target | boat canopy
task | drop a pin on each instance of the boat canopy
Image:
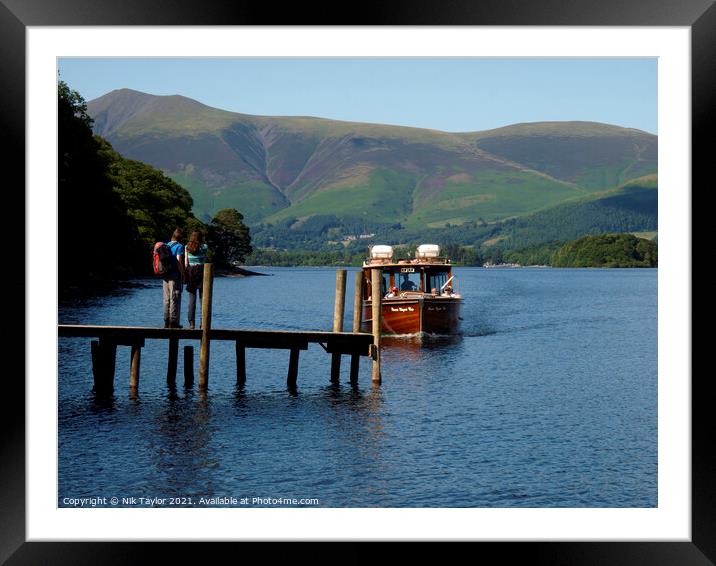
(425, 251)
(381, 252)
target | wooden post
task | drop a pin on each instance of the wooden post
(206, 295)
(96, 365)
(355, 366)
(338, 313)
(135, 360)
(172, 362)
(358, 301)
(110, 359)
(188, 366)
(240, 363)
(103, 364)
(293, 368)
(335, 367)
(376, 296)
(357, 319)
(339, 306)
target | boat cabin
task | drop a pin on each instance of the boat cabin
(428, 273)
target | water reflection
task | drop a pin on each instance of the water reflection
(133, 394)
(181, 443)
(240, 396)
(361, 441)
(418, 343)
(102, 402)
(423, 354)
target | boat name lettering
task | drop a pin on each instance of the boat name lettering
(401, 309)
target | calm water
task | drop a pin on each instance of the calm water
(548, 399)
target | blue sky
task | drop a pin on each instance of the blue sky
(449, 94)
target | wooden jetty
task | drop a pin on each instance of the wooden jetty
(337, 343)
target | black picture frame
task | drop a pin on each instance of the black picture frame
(17, 15)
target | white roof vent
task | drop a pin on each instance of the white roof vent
(381, 252)
(427, 251)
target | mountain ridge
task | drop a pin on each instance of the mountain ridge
(273, 167)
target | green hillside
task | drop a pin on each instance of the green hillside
(490, 194)
(632, 207)
(591, 155)
(278, 168)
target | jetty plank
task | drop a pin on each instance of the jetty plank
(345, 342)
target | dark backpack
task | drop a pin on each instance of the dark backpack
(163, 259)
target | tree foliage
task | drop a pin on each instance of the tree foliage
(607, 250)
(229, 238)
(90, 213)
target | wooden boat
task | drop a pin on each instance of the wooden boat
(417, 294)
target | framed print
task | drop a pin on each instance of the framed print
(673, 523)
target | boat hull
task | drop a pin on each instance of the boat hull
(415, 316)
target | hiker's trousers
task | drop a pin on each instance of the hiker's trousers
(172, 300)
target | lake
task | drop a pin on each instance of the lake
(547, 399)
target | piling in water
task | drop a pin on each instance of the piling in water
(206, 296)
(293, 368)
(338, 313)
(104, 355)
(358, 301)
(240, 363)
(173, 358)
(135, 360)
(376, 295)
(357, 320)
(188, 366)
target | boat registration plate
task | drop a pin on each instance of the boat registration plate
(407, 270)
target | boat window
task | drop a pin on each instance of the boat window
(435, 280)
(384, 285)
(408, 281)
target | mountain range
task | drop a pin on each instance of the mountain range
(277, 168)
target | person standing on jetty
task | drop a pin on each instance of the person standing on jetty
(195, 258)
(173, 282)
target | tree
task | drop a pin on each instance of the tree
(91, 216)
(229, 238)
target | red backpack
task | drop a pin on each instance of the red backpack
(163, 258)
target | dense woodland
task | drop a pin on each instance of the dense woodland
(112, 210)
